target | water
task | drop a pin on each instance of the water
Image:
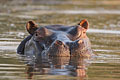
(104, 33)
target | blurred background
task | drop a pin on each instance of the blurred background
(104, 32)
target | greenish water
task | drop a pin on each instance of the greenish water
(104, 33)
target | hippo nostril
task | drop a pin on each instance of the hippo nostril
(59, 42)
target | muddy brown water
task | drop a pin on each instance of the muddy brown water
(104, 33)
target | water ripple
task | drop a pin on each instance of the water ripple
(103, 31)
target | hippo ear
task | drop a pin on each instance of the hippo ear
(84, 23)
(31, 27)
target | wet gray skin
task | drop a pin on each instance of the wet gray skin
(58, 40)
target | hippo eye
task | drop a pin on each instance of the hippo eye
(59, 42)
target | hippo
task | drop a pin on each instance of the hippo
(56, 40)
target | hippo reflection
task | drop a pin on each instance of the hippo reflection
(74, 67)
(56, 40)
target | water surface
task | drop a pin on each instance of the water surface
(104, 33)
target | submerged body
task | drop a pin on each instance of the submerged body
(56, 40)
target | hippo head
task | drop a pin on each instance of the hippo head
(58, 40)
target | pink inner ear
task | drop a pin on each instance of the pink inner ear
(31, 23)
(84, 24)
(31, 27)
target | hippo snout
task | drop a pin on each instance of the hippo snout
(58, 48)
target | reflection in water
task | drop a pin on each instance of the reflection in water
(29, 71)
(58, 66)
(80, 65)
